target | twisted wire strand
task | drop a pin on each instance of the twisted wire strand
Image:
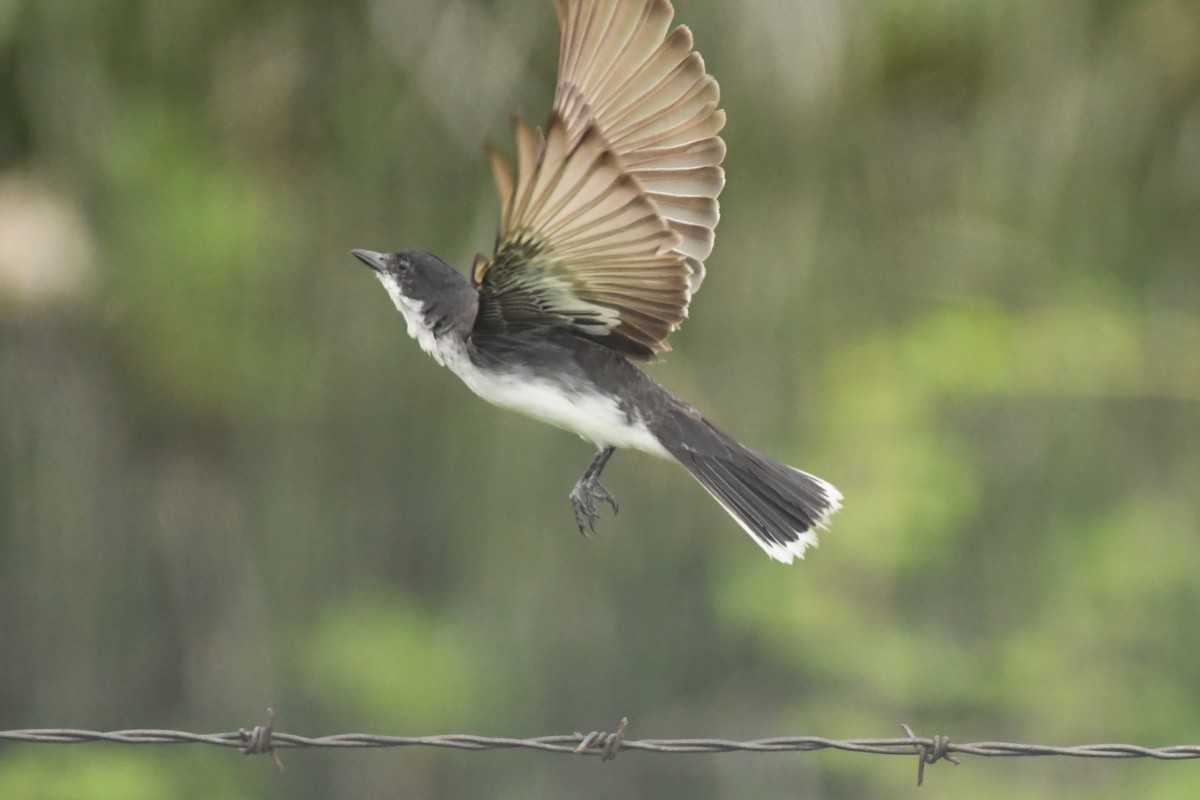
(595, 743)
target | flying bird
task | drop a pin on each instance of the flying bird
(605, 223)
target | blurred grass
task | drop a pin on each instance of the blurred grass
(956, 275)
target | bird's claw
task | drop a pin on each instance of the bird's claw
(583, 500)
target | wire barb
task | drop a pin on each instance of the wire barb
(258, 741)
(929, 752)
(606, 744)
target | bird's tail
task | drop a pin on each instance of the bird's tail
(780, 507)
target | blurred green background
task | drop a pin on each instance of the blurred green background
(958, 274)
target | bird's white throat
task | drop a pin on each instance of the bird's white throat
(414, 315)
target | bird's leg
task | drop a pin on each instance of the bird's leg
(589, 489)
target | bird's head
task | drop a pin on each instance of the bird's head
(436, 300)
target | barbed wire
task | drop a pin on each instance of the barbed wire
(263, 739)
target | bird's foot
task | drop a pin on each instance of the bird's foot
(583, 499)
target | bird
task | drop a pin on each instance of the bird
(606, 220)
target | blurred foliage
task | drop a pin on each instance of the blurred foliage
(373, 648)
(112, 775)
(958, 274)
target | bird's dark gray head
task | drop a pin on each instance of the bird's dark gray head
(438, 303)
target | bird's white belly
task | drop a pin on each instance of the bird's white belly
(592, 415)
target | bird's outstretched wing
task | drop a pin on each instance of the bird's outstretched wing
(607, 219)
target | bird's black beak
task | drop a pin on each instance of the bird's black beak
(370, 258)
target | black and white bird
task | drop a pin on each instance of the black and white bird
(605, 224)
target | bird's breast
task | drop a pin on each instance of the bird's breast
(565, 403)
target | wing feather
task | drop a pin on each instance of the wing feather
(653, 95)
(606, 220)
(502, 175)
